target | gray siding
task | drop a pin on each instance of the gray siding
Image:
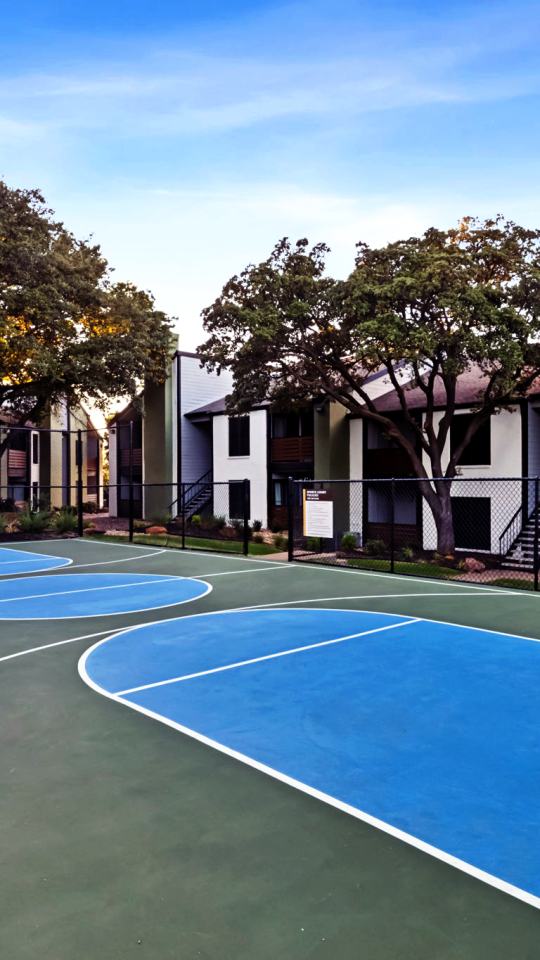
(198, 387)
(534, 450)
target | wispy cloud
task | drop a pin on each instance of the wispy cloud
(186, 91)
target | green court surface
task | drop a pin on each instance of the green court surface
(123, 837)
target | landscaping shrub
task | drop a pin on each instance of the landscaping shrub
(257, 526)
(405, 553)
(3, 523)
(258, 538)
(34, 522)
(275, 525)
(314, 544)
(90, 507)
(64, 522)
(68, 508)
(349, 541)
(195, 521)
(280, 542)
(375, 548)
(219, 521)
(7, 505)
(138, 527)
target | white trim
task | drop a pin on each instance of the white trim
(117, 613)
(408, 838)
(268, 656)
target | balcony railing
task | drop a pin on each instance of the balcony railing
(287, 449)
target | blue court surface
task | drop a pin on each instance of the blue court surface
(430, 730)
(93, 594)
(22, 561)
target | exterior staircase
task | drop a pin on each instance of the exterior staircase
(520, 555)
(196, 497)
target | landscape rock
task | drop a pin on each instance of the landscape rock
(473, 566)
(156, 530)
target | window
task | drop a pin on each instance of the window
(280, 493)
(35, 448)
(478, 451)
(236, 500)
(292, 424)
(239, 436)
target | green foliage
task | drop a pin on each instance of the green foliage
(196, 520)
(405, 553)
(219, 521)
(64, 522)
(314, 544)
(429, 308)
(90, 506)
(3, 523)
(161, 519)
(280, 542)
(275, 525)
(257, 526)
(34, 522)
(66, 330)
(68, 508)
(349, 541)
(258, 538)
(375, 548)
(138, 527)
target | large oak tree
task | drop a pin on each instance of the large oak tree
(424, 310)
(66, 330)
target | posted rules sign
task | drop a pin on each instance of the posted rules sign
(318, 514)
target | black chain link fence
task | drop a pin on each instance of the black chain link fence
(55, 483)
(472, 530)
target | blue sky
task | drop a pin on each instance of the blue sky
(188, 142)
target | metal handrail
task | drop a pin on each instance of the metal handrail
(202, 482)
(509, 524)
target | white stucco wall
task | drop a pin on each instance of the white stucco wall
(505, 462)
(253, 468)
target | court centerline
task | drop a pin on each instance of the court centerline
(269, 656)
(114, 586)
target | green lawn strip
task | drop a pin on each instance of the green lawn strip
(423, 569)
(194, 543)
(512, 582)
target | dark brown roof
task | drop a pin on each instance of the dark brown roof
(469, 385)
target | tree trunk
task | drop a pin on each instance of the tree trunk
(444, 522)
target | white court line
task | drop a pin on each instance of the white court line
(58, 643)
(230, 573)
(413, 577)
(292, 603)
(100, 563)
(188, 552)
(362, 815)
(115, 586)
(107, 543)
(408, 838)
(269, 656)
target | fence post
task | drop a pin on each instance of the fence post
(246, 517)
(290, 502)
(131, 481)
(393, 522)
(182, 495)
(79, 485)
(536, 482)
